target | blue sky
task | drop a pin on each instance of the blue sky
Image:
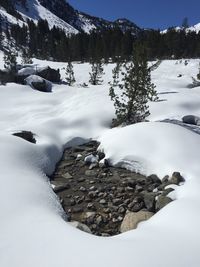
(145, 13)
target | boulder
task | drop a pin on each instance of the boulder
(49, 74)
(162, 201)
(26, 135)
(176, 178)
(38, 83)
(149, 201)
(191, 119)
(132, 219)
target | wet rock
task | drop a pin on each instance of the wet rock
(132, 219)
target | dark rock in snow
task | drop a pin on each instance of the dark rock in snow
(191, 119)
(26, 135)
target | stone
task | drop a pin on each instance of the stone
(117, 201)
(103, 201)
(167, 191)
(191, 119)
(50, 74)
(67, 175)
(90, 173)
(81, 180)
(82, 189)
(149, 201)
(61, 187)
(99, 220)
(165, 179)
(176, 178)
(38, 83)
(101, 155)
(162, 201)
(153, 179)
(93, 165)
(132, 219)
(26, 135)
(81, 226)
(77, 209)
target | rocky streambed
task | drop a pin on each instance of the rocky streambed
(105, 200)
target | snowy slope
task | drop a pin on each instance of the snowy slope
(36, 11)
(32, 231)
(194, 28)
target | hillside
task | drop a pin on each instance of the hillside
(61, 14)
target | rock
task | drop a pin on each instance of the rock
(132, 219)
(90, 173)
(162, 201)
(77, 209)
(165, 179)
(99, 220)
(101, 155)
(153, 179)
(103, 201)
(61, 187)
(67, 175)
(191, 119)
(91, 159)
(81, 226)
(167, 191)
(117, 201)
(82, 189)
(39, 83)
(26, 135)
(50, 74)
(81, 180)
(176, 178)
(149, 201)
(93, 165)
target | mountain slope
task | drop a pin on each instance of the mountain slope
(61, 14)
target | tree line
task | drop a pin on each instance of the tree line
(45, 43)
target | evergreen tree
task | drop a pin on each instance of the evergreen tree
(70, 74)
(26, 58)
(185, 23)
(135, 89)
(10, 61)
(97, 73)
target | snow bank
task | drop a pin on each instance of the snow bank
(32, 229)
(153, 147)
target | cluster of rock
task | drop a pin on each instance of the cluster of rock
(104, 200)
(38, 78)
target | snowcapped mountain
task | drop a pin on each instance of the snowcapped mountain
(194, 28)
(61, 14)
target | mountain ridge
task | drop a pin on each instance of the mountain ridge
(61, 14)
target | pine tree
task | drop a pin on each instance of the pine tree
(70, 74)
(10, 61)
(134, 91)
(97, 73)
(26, 58)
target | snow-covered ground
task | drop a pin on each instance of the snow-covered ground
(32, 231)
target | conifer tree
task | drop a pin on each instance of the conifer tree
(97, 73)
(10, 61)
(26, 58)
(70, 74)
(132, 94)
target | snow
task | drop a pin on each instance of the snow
(32, 229)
